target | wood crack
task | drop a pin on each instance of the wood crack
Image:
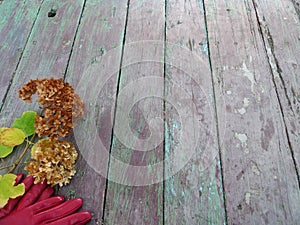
(215, 112)
(20, 57)
(297, 7)
(115, 109)
(271, 56)
(164, 110)
(278, 69)
(74, 39)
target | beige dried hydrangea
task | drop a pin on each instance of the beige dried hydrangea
(61, 106)
(53, 161)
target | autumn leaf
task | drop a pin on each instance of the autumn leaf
(26, 123)
(5, 150)
(2, 129)
(12, 137)
(8, 190)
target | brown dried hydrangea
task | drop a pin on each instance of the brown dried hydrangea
(53, 161)
(61, 106)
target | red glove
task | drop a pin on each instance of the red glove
(52, 211)
(36, 207)
(33, 193)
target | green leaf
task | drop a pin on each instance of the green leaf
(26, 123)
(12, 137)
(5, 150)
(8, 190)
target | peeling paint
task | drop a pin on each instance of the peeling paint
(242, 138)
(250, 76)
(105, 24)
(246, 102)
(255, 170)
(271, 62)
(68, 42)
(247, 198)
(242, 111)
(245, 106)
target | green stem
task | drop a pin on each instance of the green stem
(17, 162)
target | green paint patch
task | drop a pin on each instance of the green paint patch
(71, 194)
(105, 24)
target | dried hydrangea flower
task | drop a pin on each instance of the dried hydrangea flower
(61, 106)
(53, 161)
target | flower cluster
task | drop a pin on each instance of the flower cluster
(61, 106)
(53, 161)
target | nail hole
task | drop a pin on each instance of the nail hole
(52, 13)
(239, 207)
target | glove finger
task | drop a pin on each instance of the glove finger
(59, 211)
(47, 193)
(28, 181)
(42, 206)
(74, 219)
(9, 207)
(19, 178)
(31, 196)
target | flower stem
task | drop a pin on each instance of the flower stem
(17, 162)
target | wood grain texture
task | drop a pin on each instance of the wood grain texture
(143, 70)
(17, 19)
(280, 26)
(259, 174)
(195, 194)
(127, 202)
(93, 71)
(46, 55)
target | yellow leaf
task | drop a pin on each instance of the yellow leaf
(3, 128)
(12, 137)
(8, 190)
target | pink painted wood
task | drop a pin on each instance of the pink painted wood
(261, 183)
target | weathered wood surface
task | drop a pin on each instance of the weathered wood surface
(96, 57)
(260, 179)
(280, 23)
(245, 110)
(46, 55)
(138, 127)
(195, 194)
(16, 21)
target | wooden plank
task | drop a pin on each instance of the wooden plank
(281, 37)
(17, 19)
(132, 197)
(195, 194)
(46, 55)
(259, 174)
(93, 71)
